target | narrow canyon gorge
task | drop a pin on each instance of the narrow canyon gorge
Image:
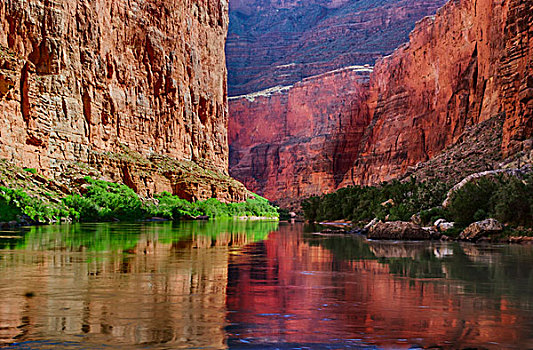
(470, 65)
(323, 94)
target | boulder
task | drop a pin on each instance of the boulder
(442, 225)
(521, 240)
(433, 233)
(481, 229)
(398, 230)
(371, 224)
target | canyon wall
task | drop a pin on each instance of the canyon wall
(273, 42)
(467, 65)
(82, 81)
(471, 62)
(299, 140)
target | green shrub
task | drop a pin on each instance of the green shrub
(105, 201)
(505, 198)
(471, 198)
(429, 216)
(365, 203)
(513, 202)
(15, 203)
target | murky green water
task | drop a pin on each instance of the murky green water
(253, 285)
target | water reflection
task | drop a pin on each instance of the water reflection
(234, 284)
(121, 284)
(315, 290)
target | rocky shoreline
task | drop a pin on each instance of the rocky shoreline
(485, 231)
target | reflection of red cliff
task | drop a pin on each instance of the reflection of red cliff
(470, 62)
(295, 297)
(171, 293)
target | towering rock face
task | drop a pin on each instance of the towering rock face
(273, 42)
(299, 140)
(80, 80)
(471, 63)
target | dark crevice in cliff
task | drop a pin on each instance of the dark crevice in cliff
(24, 93)
(87, 110)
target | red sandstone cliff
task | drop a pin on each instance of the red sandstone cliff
(273, 42)
(471, 62)
(290, 142)
(81, 81)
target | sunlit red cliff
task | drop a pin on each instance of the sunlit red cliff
(129, 87)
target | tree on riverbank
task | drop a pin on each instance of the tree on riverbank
(504, 197)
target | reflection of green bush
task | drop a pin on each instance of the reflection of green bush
(121, 237)
(508, 271)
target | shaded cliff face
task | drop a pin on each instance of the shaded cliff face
(471, 62)
(299, 140)
(82, 80)
(469, 65)
(272, 42)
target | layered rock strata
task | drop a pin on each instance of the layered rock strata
(80, 79)
(295, 141)
(471, 64)
(272, 42)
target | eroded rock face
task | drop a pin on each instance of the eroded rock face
(298, 141)
(272, 42)
(469, 63)
(82, 77)
(465, 69)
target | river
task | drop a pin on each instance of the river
(248, 285)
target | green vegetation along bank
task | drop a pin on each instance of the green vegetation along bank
(503, 197)
(100, 200)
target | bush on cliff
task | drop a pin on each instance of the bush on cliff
(172, 207)
(505, 198)
(106, 201)
(16, 204)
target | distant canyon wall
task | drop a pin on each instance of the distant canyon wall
(290, 142)
(273, 42)
(85, 79)
(471, 62)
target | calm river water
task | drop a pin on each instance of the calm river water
(249, 285)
